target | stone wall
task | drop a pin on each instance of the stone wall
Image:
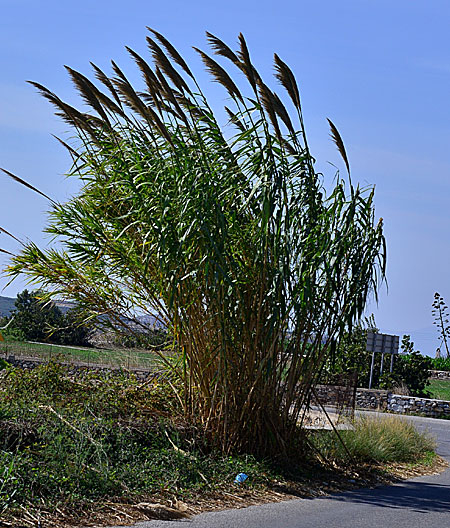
(79, 368)
(372, 399)
(440, 374)
(383, 400)
(365, 398)
(423, 406)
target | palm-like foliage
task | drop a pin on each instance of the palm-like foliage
(228, 236)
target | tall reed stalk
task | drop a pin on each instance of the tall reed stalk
(225, 232)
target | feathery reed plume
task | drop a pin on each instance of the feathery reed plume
(246, 64)
(176, 57)
(135, 102)
(190, 106)
(163, 62)
(282, 112)
(267, 100)
(169, 93)
(102, 77)
(88, 92)
(72, 151)
(220, 48)
(160, 125)
(150, 79)
(67, 112)
(336, 137)
(126, 90)
(287, 79)
(288, 147)
(235, 120)
(220, 75)
(26, 184)
(119, 73)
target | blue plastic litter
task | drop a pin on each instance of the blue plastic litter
(240, 478)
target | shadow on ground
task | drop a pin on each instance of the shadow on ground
(421, 497)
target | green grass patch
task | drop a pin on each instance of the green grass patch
(439, 389)
(127, 358)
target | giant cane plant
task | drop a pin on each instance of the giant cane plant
(225, 233)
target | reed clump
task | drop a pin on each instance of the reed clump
(225, 233)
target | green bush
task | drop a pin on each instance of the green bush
(350, 356)
(412, 370)
(440, 363)
(3, 364)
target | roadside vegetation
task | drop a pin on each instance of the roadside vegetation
(378, 440)
(440, 363)
(69, 446)
(255, 265)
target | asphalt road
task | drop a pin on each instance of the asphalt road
(416, 503)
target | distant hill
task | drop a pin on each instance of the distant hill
(7, 305)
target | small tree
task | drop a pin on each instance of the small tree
(226, 233)
(413, 371)
(407, 345)
(32, 319)
(441, 320)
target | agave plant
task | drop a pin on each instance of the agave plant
(223, 232)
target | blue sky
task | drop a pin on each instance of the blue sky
(380, 70)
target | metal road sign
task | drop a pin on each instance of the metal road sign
(382, 344)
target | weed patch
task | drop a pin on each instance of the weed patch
(71, 445)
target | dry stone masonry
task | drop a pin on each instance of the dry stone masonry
(371, 399)
(383, 400)
(440, 374)
(423, 406)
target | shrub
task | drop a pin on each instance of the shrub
(412, 370)
(3, 364)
